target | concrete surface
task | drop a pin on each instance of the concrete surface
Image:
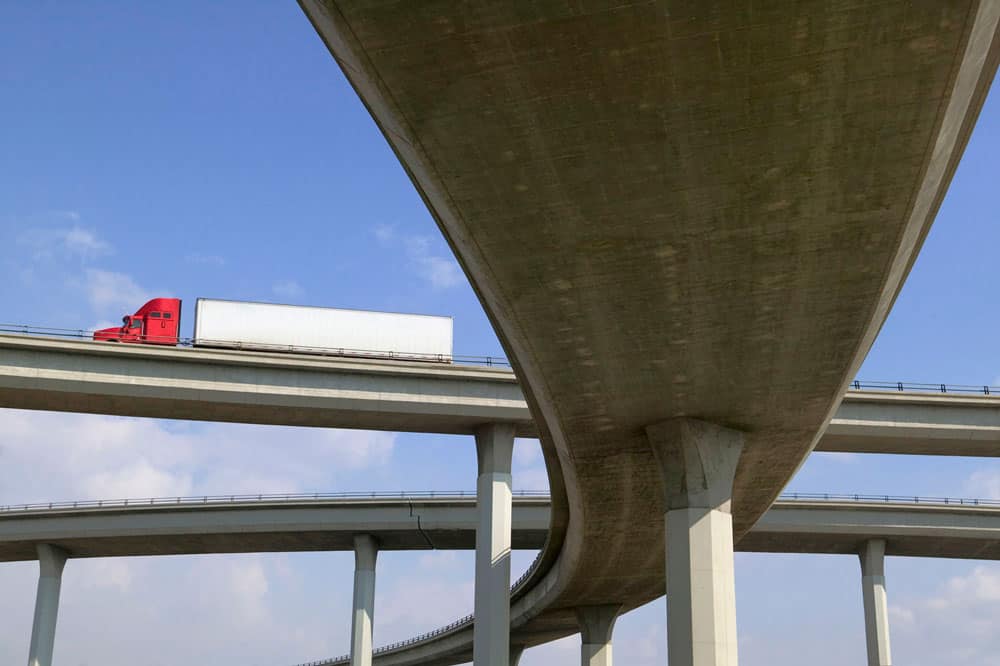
(697, 209)
(597, 625)
(876, 605)
(214, 385)
(491, 634)
(51, 561)
(249, 527)
(255, 387)
(363, 613)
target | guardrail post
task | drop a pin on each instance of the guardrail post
(491, 628)
(365, 554)
(697, 465)
(51, 561)
(596, 626)
(875, 602)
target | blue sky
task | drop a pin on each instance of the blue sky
(215, 150)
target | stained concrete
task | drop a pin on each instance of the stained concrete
(699, 209)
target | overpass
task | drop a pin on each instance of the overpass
(917, 527)
(687, 222)
(294, 389)
(304, 390)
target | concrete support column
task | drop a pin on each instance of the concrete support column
(596, 625)
(698, 463)
(51, 561)
(365, 554)
(876, 604)
(491, 631)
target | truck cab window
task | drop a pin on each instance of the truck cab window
(136, 323)
(167, 315)
(154, 315)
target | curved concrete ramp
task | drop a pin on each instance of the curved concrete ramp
(700, 209)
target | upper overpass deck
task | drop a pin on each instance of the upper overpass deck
(696, 210)
(298, 389)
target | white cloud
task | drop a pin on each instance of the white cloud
(984, 484)
(959, 625)
(287, 289)
(108, 290)
(439, 270)
(354, 452)
(73, 242)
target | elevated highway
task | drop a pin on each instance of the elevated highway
(921, 527)
(297, 389)
(687, 222)
(839, 525)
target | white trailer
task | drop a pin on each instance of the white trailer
(307, 329)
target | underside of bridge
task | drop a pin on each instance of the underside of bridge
(700, 209)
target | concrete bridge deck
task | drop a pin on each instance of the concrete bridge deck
(298, 389)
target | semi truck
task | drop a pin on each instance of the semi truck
(289, 328)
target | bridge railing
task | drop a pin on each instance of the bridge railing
(917, 387)
(889, 499)
(461, 359)
(222, 500)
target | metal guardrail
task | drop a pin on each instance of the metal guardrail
(857, 385)
(918, 387)
(889, 499)
(223, 500)
(461, 359)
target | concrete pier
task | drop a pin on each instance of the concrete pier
(365, 554)
(698, 463)
(51, 561)
(876, 605)
(491, 633)
(597, 623)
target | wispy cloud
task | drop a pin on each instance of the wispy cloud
(71, 242)
(108, 290)
(287, 289)
(439, 270)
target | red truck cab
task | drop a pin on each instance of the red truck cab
(157, 322)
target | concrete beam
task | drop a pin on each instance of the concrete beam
(308, 525)
(491, 632)
(876, 605)
(254, 387)
(296, 389)
(915, 423)
(51, 561)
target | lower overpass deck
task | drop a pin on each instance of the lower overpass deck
(187, 526)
